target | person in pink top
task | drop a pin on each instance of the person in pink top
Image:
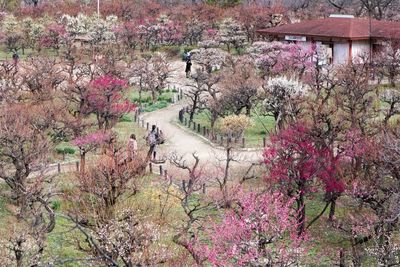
(132, 147)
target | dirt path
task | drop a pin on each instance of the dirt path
(182, 141)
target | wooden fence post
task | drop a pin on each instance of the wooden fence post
(264, 142)
(204, 188)
(77, 166)
(151, 167)
(59, 167)
(198, 128)
(147, 126)
(184, 185)
(243, 142)
(204, 130)
(161, 170)
(194, 126)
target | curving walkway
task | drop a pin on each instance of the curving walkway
(182, 141)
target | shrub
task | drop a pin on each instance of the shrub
(69, 150)
(154, 48)
(235, 124)
(56, 204)
(156, 106)
(171, 51)
(125, 118)
(65, 150)
(188, 48)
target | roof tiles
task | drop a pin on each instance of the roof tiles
(343, 28)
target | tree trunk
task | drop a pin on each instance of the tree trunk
(140, 98)
(332, 209)
(356, 259)
(83, 162)
(301, 216)
(153, 96)
(193, 109)
(214, 117)
(248, 111)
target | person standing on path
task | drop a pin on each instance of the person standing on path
(151, 140)
(188, 68)
(15, 58)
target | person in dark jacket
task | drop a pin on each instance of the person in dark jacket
(188, 68)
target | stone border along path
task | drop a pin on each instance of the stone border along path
(182, 141)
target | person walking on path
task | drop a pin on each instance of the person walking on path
(132, 147)
(151, 140)
(188, 68)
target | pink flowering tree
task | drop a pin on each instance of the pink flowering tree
(275, 58)
(89, 143)
(105, 98)
(298, 166)
(373, 173)
(127, 34)
(53, 36)
(170, 32)
(259, 231)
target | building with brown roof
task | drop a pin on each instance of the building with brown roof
(341, 37)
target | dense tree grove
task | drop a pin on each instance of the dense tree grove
(79, 186)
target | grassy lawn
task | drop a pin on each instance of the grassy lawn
(163, 100)
(5, 54)
(253, 135)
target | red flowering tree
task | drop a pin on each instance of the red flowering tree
(259, 231)
(105, 98)
(298, 166)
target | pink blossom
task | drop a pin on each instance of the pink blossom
(87, 142)
(252, 234)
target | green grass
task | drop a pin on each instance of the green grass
(61, 244)
(163, 100)
(254, 135)
(5, 54)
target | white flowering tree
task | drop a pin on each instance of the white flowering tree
(101, 30)
(283, 98)
(76, 26)
(11, 29)
(98, 30)
(210, 58)
(32, 31)
(230, 33)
